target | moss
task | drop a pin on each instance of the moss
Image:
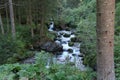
(66, 35)
(76, 39)
(70, 43)
(70, 50)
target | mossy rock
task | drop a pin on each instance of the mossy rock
(70, 50)
(66, 35)
(81, 55)
(76, 39)
(67, 29)
(73, 39)
(61, 33)
(70, 43)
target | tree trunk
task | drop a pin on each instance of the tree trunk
(12, 19)
(42, 26)
(42, 33)
(1, 24)
(19, 16)
(29, 18)
(7, 18)
(105, 39)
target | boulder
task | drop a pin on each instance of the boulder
(70, 43)
(66, 35)
(51, 46)
(57, 53)
(70, 50)
(76, 39)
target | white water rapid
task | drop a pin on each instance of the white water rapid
(73, 55)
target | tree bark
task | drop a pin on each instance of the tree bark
(42, 33)
(12, 19)
(1, 24)
(105, 39)
(29, 18)
(42, 26)
(7, 18)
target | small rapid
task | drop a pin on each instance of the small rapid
(70, 53)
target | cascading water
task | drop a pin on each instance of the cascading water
(51, 26)
(74, 56)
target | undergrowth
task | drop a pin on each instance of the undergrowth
(38, 71)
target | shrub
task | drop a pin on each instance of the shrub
(117, 57)
(38, 71)
(11, 50)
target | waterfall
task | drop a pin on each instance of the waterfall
(51, 26)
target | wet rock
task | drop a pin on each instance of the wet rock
(76, 39)
(70, 43)
(68, 29)
(30, 60)
(59, 27)
(66, 35)
(61, 33)
(82, 59)
(73, 54)
(36, 46)
(57, 53)
(51, 47)
(80, 55)
(59, 36)
(70, 50)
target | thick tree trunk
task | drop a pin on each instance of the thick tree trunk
(105, 39)
(12, 18)
(1, 24)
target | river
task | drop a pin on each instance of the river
(70, 53)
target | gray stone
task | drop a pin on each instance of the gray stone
(51, 47)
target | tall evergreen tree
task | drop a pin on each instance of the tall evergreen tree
(105, 39)
(12, 19)
(1, 24)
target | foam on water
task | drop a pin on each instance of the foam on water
(66, 55)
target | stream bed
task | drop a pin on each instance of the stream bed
(70, 53)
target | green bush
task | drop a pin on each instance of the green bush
(11, 50)
(87, 32)
(117, 30)
(117, 14)
(117, 19)
(23, 31)
(117, 57)
(38, 71)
